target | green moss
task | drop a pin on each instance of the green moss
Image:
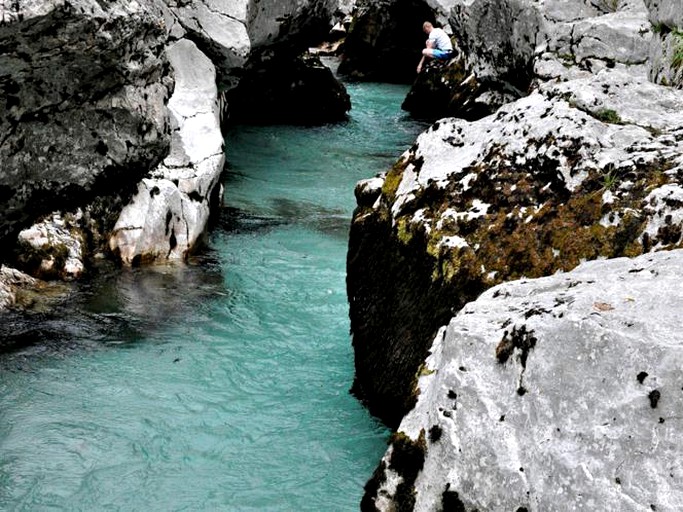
(403, 230)
(608, 115)
(677, 58)
(392, 180)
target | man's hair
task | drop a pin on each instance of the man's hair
(427, 24)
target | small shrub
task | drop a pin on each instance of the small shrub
(607, 115)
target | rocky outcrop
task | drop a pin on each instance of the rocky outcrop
(169, 213)
(503, 43)
(85, 121)
(589, 165)
(54, 248)
(83, 115)
(560, 393)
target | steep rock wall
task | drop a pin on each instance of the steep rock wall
(83, 112)
(85, 119)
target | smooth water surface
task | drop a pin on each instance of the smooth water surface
(221, 385)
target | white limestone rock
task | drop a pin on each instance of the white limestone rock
(54, 247)
(555, 394)
(11, 281)
(222, 28)
(169, 213)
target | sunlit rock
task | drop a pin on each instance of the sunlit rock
(560, 393)
(169, 213)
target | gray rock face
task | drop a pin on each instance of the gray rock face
(555, 394)
(219, 28)
(169, 213)
(84, 87)
(85, 117)
(578, 169)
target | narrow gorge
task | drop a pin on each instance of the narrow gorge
(182, 263)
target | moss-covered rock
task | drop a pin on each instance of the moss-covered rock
(539, 187)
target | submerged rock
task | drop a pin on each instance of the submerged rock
(559, 393)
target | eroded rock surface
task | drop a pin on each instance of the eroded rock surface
(560, 393)
(85, 121)
(83, 115)
(589, 165)
(169, 213)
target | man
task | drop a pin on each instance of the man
(438, 44)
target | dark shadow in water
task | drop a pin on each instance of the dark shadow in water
(115, 307)
(330, 221)
(236, 221)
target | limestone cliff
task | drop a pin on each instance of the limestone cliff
(589, 165)
(552, 394)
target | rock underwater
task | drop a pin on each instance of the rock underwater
(589, 165)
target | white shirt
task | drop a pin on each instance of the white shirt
(440, 40)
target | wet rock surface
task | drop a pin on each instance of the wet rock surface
(558, 393)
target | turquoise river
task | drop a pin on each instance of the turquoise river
(221, 384)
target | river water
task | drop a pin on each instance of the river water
(222, 384)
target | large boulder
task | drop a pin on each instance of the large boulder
(560, 393)
(83, 115)
(580, 169)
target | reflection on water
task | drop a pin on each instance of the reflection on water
(115, 306)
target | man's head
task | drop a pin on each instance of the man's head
(427, 27)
